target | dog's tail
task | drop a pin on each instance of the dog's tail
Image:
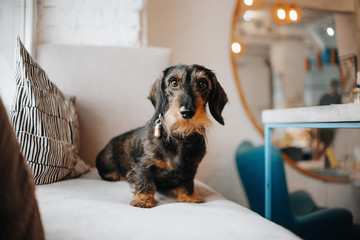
(106, 167)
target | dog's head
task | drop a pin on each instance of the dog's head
(181, 93)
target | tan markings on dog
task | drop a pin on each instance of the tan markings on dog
(176, 124)
(163, 165)
(199, 74)
(178, 74)
(182, 196)
(143, 200)
(115, 176)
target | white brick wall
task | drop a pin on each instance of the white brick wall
(90, 22)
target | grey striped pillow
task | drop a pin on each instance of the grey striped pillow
(45, 123)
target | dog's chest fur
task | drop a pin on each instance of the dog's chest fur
(173, 161)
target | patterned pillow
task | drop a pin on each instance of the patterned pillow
(45, 123)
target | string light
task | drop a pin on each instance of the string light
(330, 31)
(247, 16)
(250, 5)
(285, 13)
(248, 2)
(293, 15)
(281, 14)
(236, 47)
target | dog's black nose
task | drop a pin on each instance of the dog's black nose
(186, 113)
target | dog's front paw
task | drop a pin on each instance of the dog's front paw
(143, 200)
(190, 198)
(142, 204)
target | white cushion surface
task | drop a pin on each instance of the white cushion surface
(90, 208)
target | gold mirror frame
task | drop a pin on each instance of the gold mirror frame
(259, 128)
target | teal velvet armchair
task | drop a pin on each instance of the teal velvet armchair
(297, 211)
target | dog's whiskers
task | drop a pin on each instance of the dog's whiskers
(170, 135)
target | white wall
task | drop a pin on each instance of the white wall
(254, 74)
(12, 24)
(345, 27)
(287, 58)
(90, 22)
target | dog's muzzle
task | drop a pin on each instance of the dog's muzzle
(186, 113)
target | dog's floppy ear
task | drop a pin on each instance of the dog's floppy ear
(217, 100)
(154, 91)
(156, 94)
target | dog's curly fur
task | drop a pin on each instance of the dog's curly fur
(169, 162)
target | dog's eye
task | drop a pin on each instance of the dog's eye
(174, 83)
(202, 85)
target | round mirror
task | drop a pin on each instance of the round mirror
(287, 55)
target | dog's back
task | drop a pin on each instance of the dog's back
(113, 162)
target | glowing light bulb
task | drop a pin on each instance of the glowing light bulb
(293, 15)
(236, 47)
(330, 31)
(281, 14)
(248, 2)
(247, 16)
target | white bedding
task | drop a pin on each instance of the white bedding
(90, 208)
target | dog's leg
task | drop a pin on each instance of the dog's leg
(106, 166)
(144, 188)
(186, 194)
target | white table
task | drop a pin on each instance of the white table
(331, 116)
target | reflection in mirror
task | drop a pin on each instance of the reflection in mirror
(289, 65)
(339, 159)
(311, 61)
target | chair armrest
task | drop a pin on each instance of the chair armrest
(302, 203)
(325, 223)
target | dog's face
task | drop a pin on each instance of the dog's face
(181, 94)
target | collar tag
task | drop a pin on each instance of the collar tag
(157, 131)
